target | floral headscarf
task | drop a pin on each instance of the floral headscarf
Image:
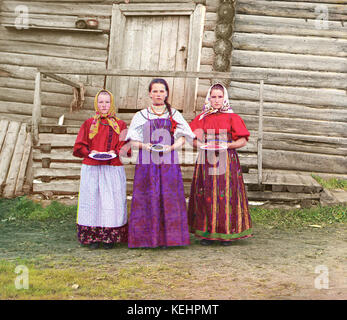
(111, 116)
(208, 109)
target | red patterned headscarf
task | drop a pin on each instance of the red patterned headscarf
(208, 109)
(111, 116)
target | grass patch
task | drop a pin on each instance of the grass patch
(90, 283)
(25, 209)
(332, 183)
(299, 217)
(70, 283)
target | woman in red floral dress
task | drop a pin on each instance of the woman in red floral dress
(218, 204)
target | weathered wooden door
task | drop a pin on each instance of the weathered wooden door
(156, 38)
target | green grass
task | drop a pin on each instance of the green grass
(24, 209)
(44, 240)
(299, 217)
(332, 183)
(74, 283)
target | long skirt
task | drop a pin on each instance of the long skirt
(218, 204)
(158, 211)
(102, 205)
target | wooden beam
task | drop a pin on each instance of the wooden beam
(11, 180)
(140, 73)
(36, 115)
(62, 80)
(260, 134)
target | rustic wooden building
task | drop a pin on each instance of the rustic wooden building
(298, 48)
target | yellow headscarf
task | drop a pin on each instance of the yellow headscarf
(111, 116)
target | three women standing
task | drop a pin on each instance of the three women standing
(218, 205)
(158, 216)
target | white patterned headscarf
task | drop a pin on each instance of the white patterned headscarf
(208, 109)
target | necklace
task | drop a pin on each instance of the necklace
(158, 113)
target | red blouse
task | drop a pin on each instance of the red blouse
(229, 122)
(105, 140)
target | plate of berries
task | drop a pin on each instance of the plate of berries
(102, 156)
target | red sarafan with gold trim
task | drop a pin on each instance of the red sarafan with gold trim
(218, 204)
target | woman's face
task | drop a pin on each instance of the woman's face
(217, 98)
(158, 94)
(104, 103)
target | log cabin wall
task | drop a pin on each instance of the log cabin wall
(301, 48)
(55, 43)
(305, 69)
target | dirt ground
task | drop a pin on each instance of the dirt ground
(274, 264)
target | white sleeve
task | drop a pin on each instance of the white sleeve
(135, 131)
(183, 128)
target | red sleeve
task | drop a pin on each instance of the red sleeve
(123, 146)
(238, 128)
(81, 147)
(197, 127)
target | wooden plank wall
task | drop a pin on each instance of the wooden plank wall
(21, 51)
(16, 172)
(305, 111)
(305, 108)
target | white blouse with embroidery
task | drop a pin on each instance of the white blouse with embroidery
(135, 131)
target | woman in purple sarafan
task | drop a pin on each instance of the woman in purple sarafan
(158, 216)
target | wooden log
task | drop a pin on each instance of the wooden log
(66, 173)
(157, 9)
(274, 93)
(297, 78)
(304, 173)
(3, 130)
(289, 9)
(123, 1)
(47, 112)
(298, 126)
(23, 166)
(305, 143)
(286, 61)
(28, 73)
(137, 73)
(39, 49)
(300, 161)
(58, 140)
(11, 180)
(62, 80)
(7, 150)
(260, 134)
(292, 180)
(65, 186)
(47, 98)
(46, 86)
(36, 116)
(63, 155)
(286, 110)
(290, 44)
(76, 9)
(52, 21)
(26, 119)
(288, 26)
(77, 39)
(209, 38)
(207, 56)
(281, 196)
(28, 60)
